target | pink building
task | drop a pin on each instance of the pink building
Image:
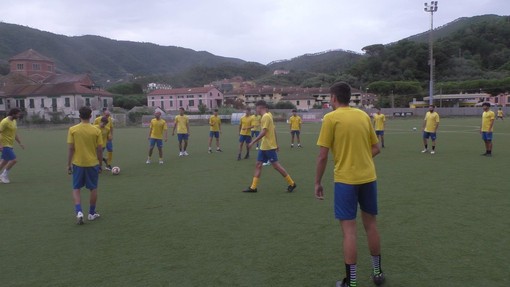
(188, 98)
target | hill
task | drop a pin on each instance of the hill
(333, 61)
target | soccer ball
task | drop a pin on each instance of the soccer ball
(115, 170)
(414, 129)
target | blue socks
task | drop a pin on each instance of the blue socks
(77, 208)
(92, 209)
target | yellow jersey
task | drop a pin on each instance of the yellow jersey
(379, 120)
(431, 122)
(295, 123)
(255, 123)
(97, 121)
(86, 138)
(8, 132)
(182, 124)
(214, 123)
(105, 133)
(245, 124)
(157, 128)
(268, 142)
(487, 119)
(500, 113)
(349, 134)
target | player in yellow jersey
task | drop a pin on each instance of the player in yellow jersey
(268, 149)
(85, 153)
(487, 128)
(109, 143)
(214, 130)
(105, 135)
(157, 127)
(255, 130)
(295, 122)
(349, 134)
(8, 135)
(430, 126)
(379, 125)
(245, 134)
(181, 123)
(500, 114)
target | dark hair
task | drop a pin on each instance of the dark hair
(181, 108)
(261, 103)
(432, 106)
(215, 110)
(13, 112)
(105, 109)
(104, 119)
(486, 105)
(294, 111)
(342, 92)
(85, 113)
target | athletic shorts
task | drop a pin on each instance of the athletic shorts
(85, 176)
(347, 197)
(246, 139)
(109, 146)
(255, 134)
(158, 142)
(295, 132)
(214, 134)
(181, 137)
(8, 153)
(427, 135)
(267, 155)
(379, 133)
(486, 136)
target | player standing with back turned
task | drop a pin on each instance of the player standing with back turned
(430, 126)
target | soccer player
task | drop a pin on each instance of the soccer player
(8, 135)
(295, 128)
(181, 123)
(245, 134)
(379, 125)
(353, 146)
(105, 134)
(430, 126)
(109, 143)
(486, 129)
(215, 130)
(500, 114)
(268, 149)
(255, 130)
(85, 153)
(156, 129)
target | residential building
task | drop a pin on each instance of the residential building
(188, 98)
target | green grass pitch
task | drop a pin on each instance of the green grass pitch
(444, 218)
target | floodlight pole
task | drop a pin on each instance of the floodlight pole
(431, 9)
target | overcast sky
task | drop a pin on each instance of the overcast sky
(257, 30)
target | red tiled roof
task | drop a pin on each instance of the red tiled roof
(32, 55)
(181, 91)
(69, 88)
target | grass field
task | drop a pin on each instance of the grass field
(444, 218)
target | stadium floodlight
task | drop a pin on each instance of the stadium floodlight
(431, 8)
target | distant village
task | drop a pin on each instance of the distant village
(34, 86)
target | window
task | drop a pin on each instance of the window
(105, 103)
(87, 102)
(42, 103)
(171, 103)
(31, 103)
(153, 98)
(199, 96)
(36, 67)
(191, 103)
(297, 103)
(162, 105)
(210, 94)
(308, 102)
(180, 103)
(50, 68)
(1, 101)
(152, 103)
(19, 66)
(67, 102)
(218, 94)
(199, 102)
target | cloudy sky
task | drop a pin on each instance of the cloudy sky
(256, 30)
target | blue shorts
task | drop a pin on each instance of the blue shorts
(153, 142)
(432, 136)
(246, 139)
(255, 134)
(379, 133)
(486, 136)
(295, 132)
(109, 146)
(267, 155)
(85, 176)
(181, 137)
(214, 134)
(8, 154)
(347, 197)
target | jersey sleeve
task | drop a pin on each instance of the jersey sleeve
(165, 126)
(70, 138)
(264, 122)
(326, 133)
(437, 118)
(492, 116)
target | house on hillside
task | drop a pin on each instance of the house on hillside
(34, 87)
(188, 98)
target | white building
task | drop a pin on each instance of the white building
(188, 98)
